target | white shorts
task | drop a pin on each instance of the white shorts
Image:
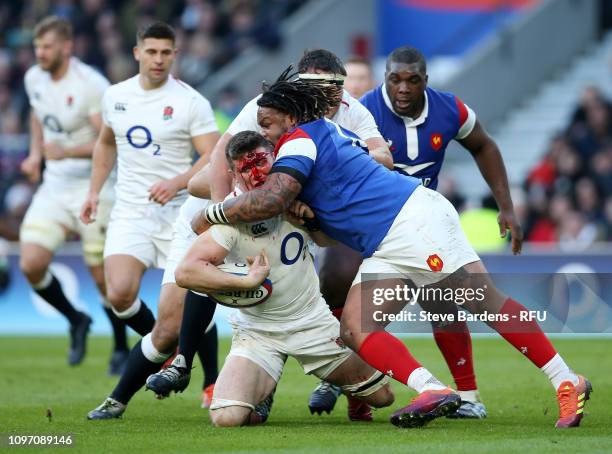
(182, 239)
(56, 209)
(144, 233)
(315, 345)
(425, 242)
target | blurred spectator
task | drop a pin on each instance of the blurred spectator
(359, 76)
(211, 33)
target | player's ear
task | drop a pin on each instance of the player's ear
(136, 52)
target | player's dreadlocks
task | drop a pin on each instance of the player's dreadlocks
(303, 100)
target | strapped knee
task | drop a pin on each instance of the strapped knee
(367, 387)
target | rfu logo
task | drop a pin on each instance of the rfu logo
(120, 107)
(259, 229)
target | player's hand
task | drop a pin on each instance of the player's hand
(30, 167)
(163, 191)
(89, 210)
(259, 269)
(53, 151)
(297, 212)
(199, 224)
(507, 221)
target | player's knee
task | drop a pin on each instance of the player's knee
(349, 331)
(230, 416)
(33, 268)
(382, 398)
(120, 296)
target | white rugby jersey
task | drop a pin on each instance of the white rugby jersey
(63, 108)
(295, 284)
(153, 131)
(351, 115)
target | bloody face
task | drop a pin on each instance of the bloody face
(252, 168)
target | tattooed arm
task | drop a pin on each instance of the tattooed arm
(265, 202)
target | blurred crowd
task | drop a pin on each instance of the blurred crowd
(569, 192)
(210, 33)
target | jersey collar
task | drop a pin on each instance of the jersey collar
(407, 120)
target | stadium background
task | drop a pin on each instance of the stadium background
(523, 65)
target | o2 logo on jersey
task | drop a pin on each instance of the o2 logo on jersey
(52, 123)
(135, 133)
(296, 236)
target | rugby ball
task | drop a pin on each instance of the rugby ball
(241, 298)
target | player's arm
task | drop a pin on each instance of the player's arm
(301, 215)
(488, 157)
(198, 270)
(215, 183)
(30, 166)
(164, 191)
(265, 202)
(379, 150)
(53, 151)
(104, 158)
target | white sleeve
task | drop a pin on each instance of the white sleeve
(201, 117)
(362, 122)
(28, 82)
(106, 107)
(246, 119)
(224, 235)
(468, 125)
(95, 90)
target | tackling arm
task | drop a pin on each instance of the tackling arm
(379, 151)
(489, 160)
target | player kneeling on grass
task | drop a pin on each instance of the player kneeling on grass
(293, 321)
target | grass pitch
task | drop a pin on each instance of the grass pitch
(520, 401)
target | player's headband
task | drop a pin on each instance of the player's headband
(331, 79)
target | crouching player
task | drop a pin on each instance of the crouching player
(294, 321)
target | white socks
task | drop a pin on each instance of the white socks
(557, 372)
(421, 380)
(470, 396)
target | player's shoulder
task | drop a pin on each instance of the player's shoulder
(87, 73)
(440, 96)
(185, 90)
(125, 86)
(34, 74)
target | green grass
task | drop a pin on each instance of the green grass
(520, 401)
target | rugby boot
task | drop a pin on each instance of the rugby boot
(109, 409)
(471, 406)
(117, 362)
(78, 340)
(425, 407)
(571, 402)
(358, 410)
(207, 395)
(173, 378)
(323, 398)
(262, 410)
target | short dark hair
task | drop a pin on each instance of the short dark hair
(157, 30)
(408, 55)
(243, 142)
(56, 24)
(321, 59)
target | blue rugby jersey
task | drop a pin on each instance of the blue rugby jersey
(418, 145)
(354, 198)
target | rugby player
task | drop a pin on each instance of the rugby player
(294, 321)
(416, 233)
(151, 122)
(65, 96)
